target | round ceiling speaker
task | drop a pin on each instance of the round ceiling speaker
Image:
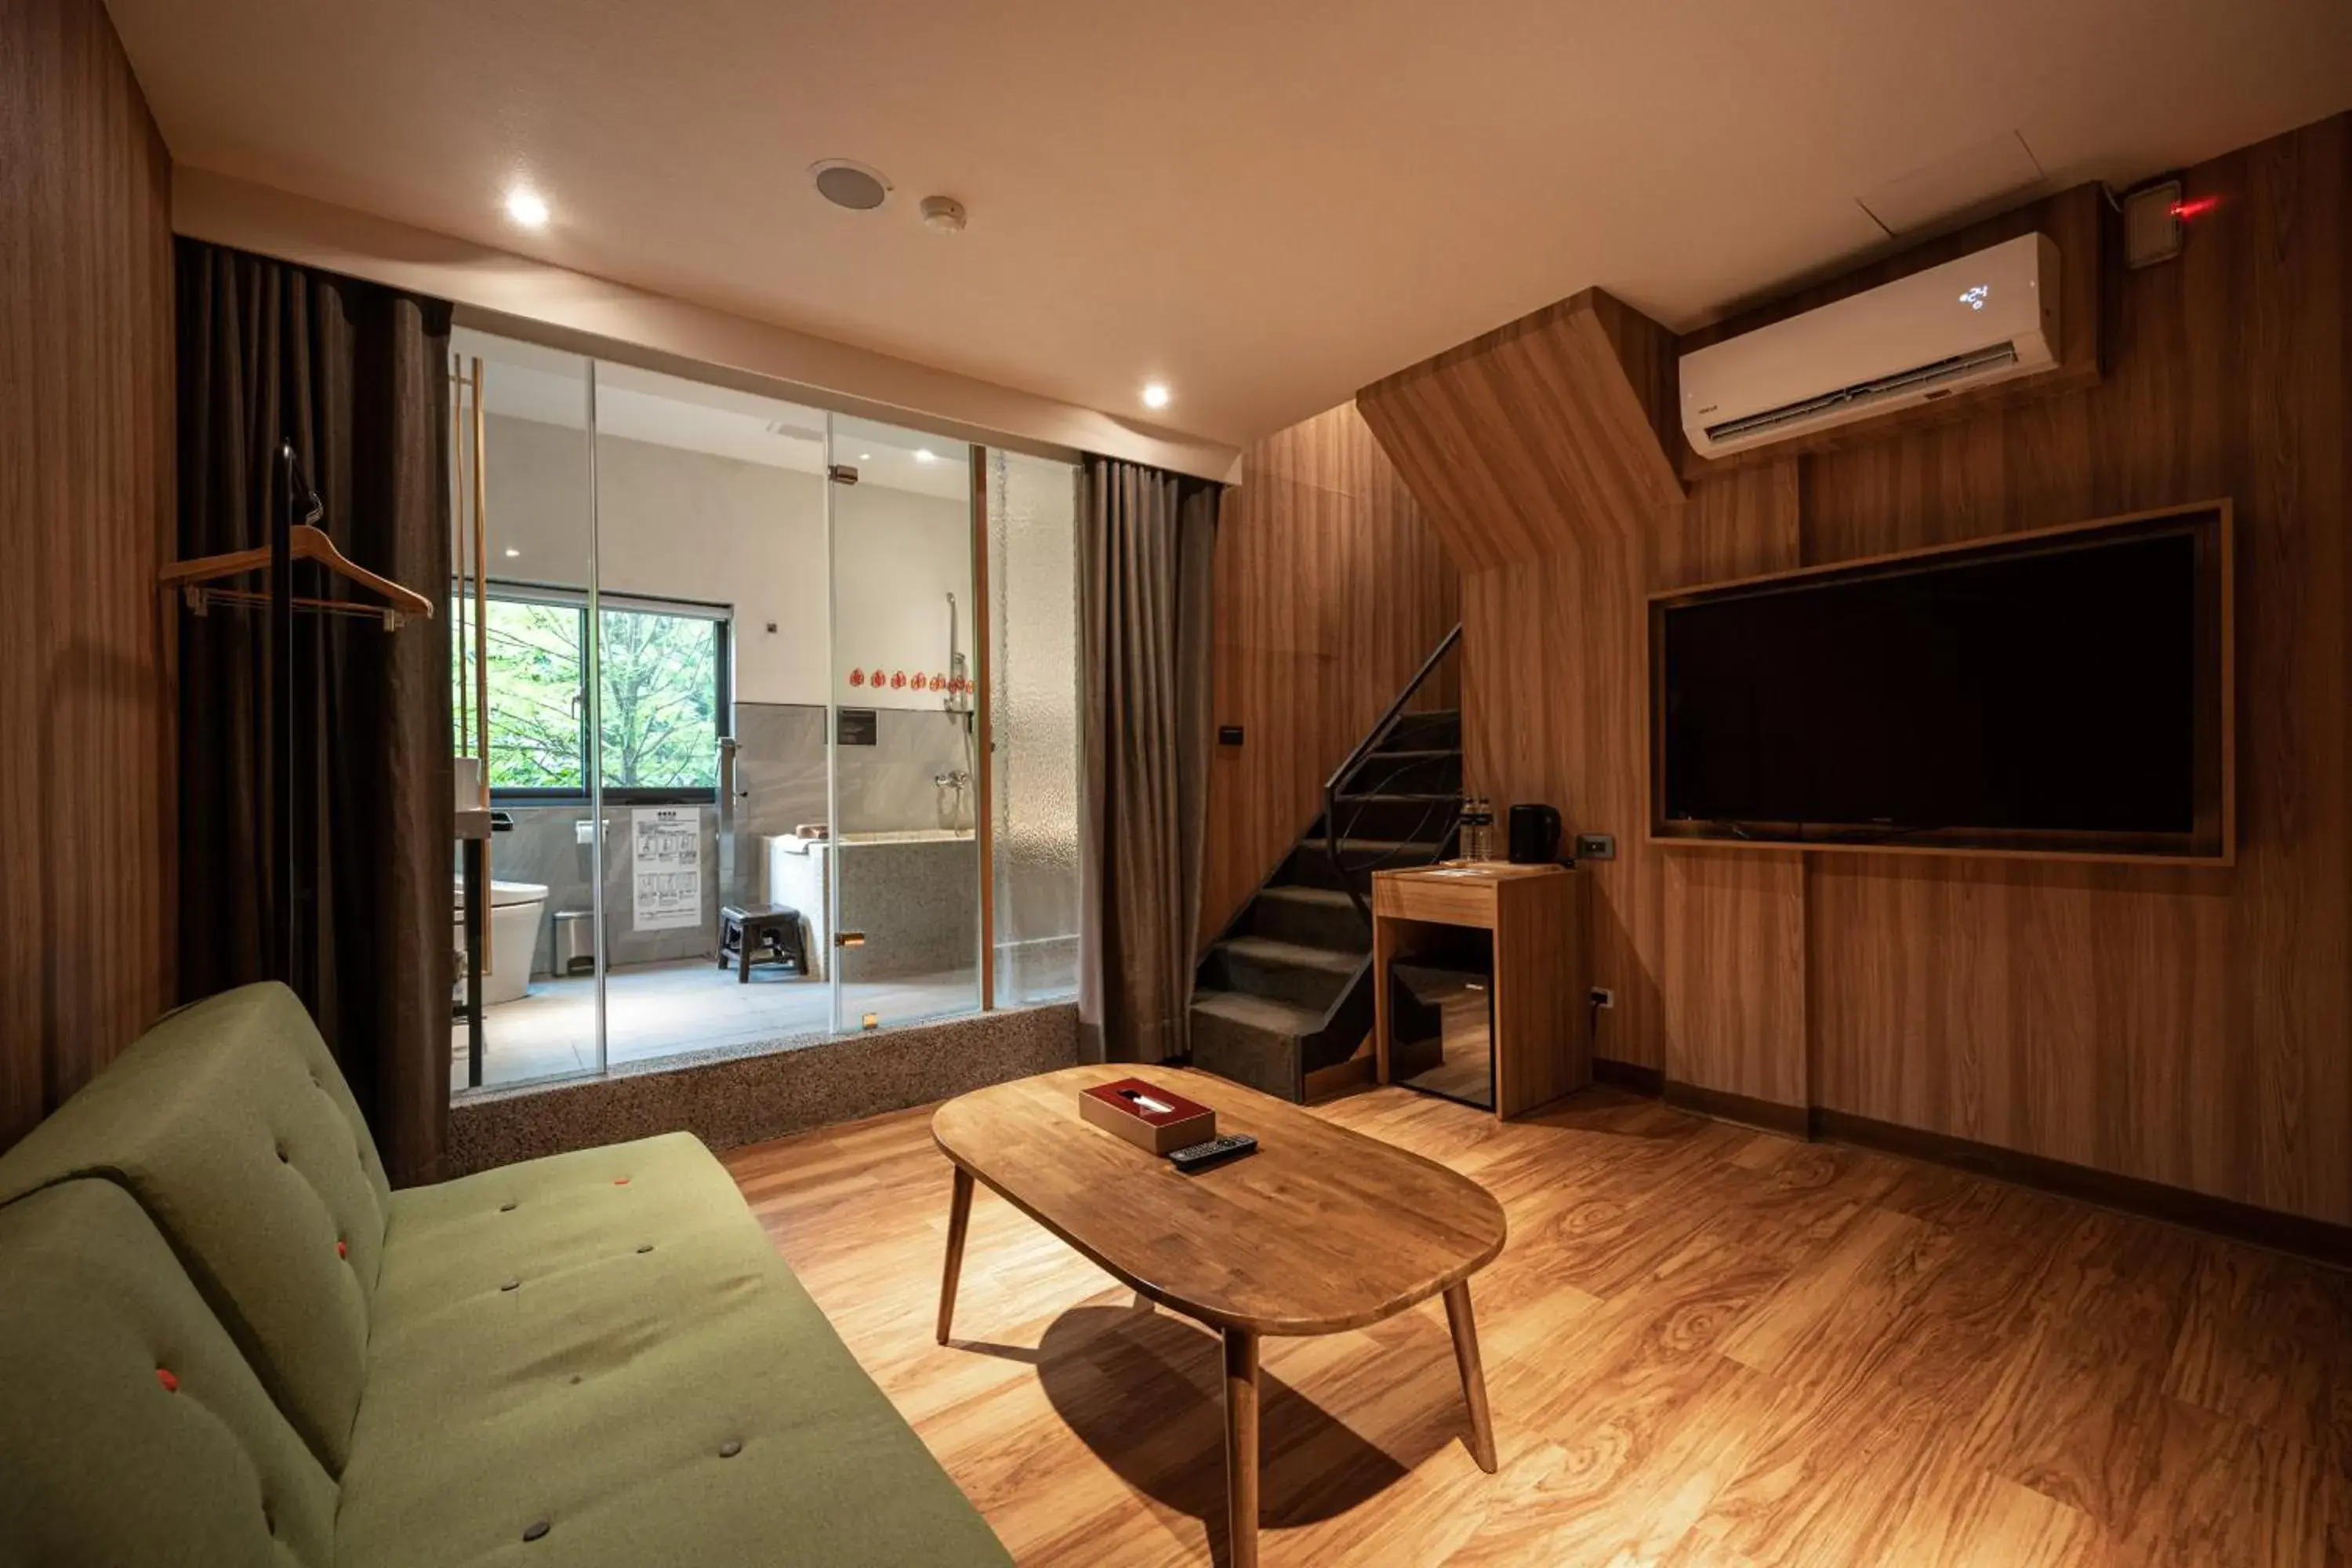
(944, 214)
(858, 187)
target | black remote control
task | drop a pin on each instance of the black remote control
(1201, 1156)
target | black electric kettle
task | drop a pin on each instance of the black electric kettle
(1535, 834)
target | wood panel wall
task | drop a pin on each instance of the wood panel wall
(86, 488)
(2187, 1026)
(1331, 589)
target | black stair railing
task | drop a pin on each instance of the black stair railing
(1365, 748)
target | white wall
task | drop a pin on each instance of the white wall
(680, 524)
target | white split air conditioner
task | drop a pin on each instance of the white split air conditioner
(1971, 322)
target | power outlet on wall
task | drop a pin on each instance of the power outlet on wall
(1596, 847)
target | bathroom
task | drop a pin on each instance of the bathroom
(742, 574)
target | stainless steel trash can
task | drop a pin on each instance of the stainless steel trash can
(575, 941)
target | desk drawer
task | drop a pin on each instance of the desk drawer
(1469, 901)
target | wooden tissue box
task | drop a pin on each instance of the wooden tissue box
(1149, 1117)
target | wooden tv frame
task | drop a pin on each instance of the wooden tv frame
(2212, 841)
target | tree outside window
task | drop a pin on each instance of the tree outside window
(662, 676)
(659, 675)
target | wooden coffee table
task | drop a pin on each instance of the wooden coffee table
(1322, 1230)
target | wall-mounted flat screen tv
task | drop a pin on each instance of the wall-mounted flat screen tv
(2064, 691)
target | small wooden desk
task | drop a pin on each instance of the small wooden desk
(1543, 1021)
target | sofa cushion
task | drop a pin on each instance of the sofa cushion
(621, 1357)
(231, 1127)
(130, 1429)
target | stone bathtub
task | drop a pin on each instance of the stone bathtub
(914, 892)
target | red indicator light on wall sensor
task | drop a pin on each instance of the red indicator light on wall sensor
(2197, 209)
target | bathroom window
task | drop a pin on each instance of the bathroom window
(534, 659)
(665, 678)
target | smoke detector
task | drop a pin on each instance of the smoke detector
(860, 187)
(944, 214)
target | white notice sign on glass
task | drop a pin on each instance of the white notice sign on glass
(666, 850)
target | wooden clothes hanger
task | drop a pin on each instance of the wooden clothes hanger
(305, 542)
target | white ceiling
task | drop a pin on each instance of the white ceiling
(1264, 205)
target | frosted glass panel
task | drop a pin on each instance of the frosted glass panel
(1033, 584)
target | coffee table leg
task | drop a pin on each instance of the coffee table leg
(1241, 1446)
(1473, 1375)
(958, 1217)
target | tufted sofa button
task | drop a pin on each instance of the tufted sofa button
(508, 1206)
(281, 1153)
(510, 1285)
(648, 1247)
(729, 1448)
(534, 1530)
(342, 1248)
(170, 1382)
(620, 1181)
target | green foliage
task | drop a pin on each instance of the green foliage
(660, 695)
(660, 678)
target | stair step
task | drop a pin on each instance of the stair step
(1406, 771)
(1325, 898)
(1298, 955)
(1309, 917)
(1300, 973)
(1260, 1012)
(1431, 729)
(1309, 865)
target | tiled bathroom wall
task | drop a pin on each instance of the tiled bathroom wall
(779, 769)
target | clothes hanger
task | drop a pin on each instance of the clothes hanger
(305, 542)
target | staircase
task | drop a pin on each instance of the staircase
(1287, 989)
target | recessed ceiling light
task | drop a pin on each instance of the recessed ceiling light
(1155, 395)
(512, 553)
(860, 187)
(526, 207)
(925, 454)
(865, 457)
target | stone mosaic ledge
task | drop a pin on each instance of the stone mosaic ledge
(732, 1100)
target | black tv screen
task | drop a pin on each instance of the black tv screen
(2051, 689)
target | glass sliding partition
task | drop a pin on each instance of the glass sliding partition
(1033, 707)
(712, 571)
(519, 660)
(903, 915)
(720, 656)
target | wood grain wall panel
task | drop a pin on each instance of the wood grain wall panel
(1552, 711)
(86, 487)
(1584, 390)
(2184, 1027)
(1331, 590)
(2180, 1026)
(1732, 960)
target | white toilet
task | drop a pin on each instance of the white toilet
(516, 910)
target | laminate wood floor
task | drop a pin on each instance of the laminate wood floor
(1703, 1346)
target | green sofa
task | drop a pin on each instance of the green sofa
(224, 1339)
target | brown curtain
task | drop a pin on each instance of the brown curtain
(355, 374)
(1149, 540)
